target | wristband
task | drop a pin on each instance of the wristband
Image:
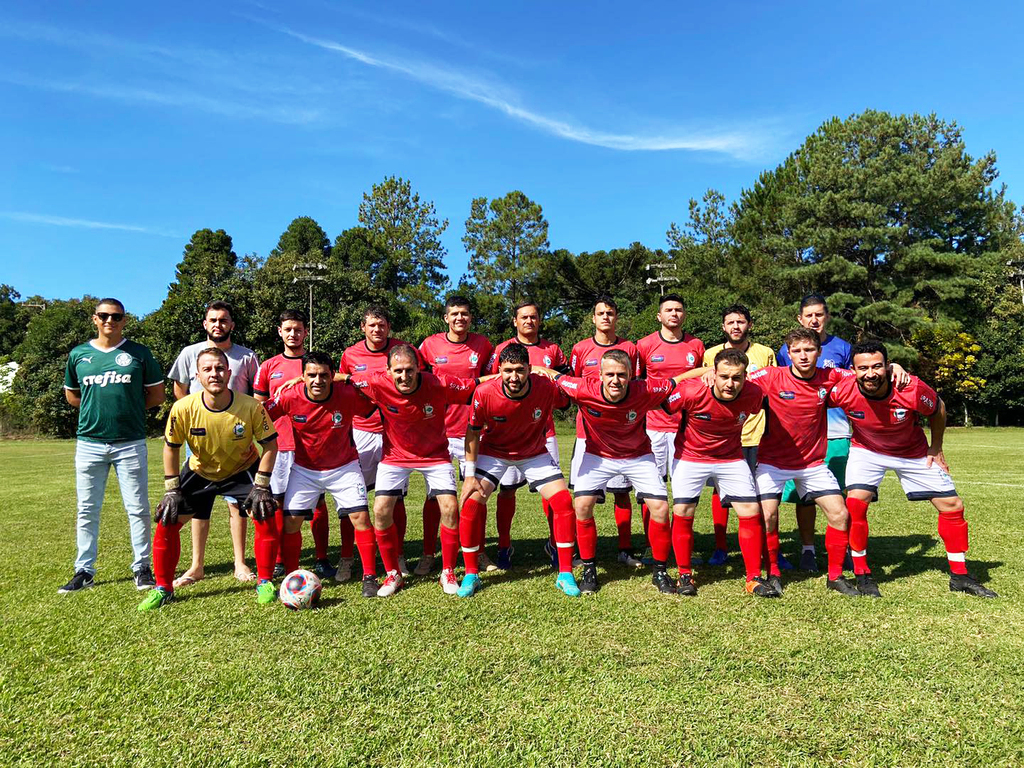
(262, 480)
(172, 483)
(470, 469)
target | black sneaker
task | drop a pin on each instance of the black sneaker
(808, 561)
(84, 580)
(588, 585)
(665, 583)
(758, 587)
(324, 569)
(843, 586)
(370, 586)
(144, 579)
(866, 585)
(962, 582)
(686, 586)
(775, 582)
(278, 570)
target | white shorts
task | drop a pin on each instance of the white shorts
(618, 484)
(865, 470)
(457, 450)
(279, 477)
(370, 446)
(733, 479)
(394, 481)
(596, 472)
(514, 478)
(663, 446)
(305, 486)
(811, 483)
(538, 470)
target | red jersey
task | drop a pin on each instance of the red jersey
(464, 360)
(616, 430)
(271, 376)
(359, 358)
(585, 362)
(515, 427)
(664, 359)
(796, 431)
(322, 429)
(887, 424)
(713, 429)
(545, 353)
(413, 434)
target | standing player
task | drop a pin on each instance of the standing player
(113, 382)
(887, 435)
(326, 461)
(526, 317)
(243, 365)
(736, 327)
(508, 429)
(221, 427)
(464, 355)
(585, 362)
(835, 353)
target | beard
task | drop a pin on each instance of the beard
(218, 337)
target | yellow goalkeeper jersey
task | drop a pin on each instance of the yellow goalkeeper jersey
(759, 356)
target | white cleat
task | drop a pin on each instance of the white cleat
(448, 582)
(424, 566)
(392, 583)
(404, 567)
(485, 562)
(344, 570)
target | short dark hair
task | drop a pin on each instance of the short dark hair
(607, 301)
(376, 310)
(317, 358)
(402, 350)
(457, 300)
(526, 303)
(516, 354)
(732, 357)
(870, 347)
(671, 297)
(620, 357)
(214, 352)
(219, 306)
(802, 334)
(293, 314)
(736, 309)
(813, 299)
(114, 302)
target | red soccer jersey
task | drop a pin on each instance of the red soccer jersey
(796, 431)
(323, 430)
(515, 427)
(616, 430)
(413, 434)
(270, 377)
(585, 362)
(359, 358)
(545, 353)
(663, 359)
(463, 360)
(713, 429)
(887, 424)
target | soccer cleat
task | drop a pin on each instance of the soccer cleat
(567, 583)
(403, 568)
(324, 569)
(589, 584)
(718, 557)
(485, 562)
(775, 582)
(265, 593)
(784, 564)
(144, 579)
(448, 582)
(343, 572)
(665, 583)
(81, 580)
(843, 586)
(370, 585)
(647, 558)
(505, 558)
(758, 587)
(808, 561)
(866, 585)
(628, 558)
(964, 582)
(278, 570)
(686, 586)
(470, 584)
(424, 566)
(392, 583)
(551, 551)
(155, 598)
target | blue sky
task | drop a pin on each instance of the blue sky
(127, 126)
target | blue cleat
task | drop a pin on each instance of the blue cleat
(505, 558)
(470, 584)
(784, 564)
(567, 583)
(718, 557)
(552, 552)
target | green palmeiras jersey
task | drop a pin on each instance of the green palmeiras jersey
(112, 386)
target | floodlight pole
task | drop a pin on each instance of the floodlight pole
(662, 268)
(311, 273)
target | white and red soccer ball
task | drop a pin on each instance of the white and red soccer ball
(300, 590)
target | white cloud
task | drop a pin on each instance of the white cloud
(62, 221)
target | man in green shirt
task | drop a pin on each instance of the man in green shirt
(112, 381)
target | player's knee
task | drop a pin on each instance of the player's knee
(293, 523)
(659, 510)
(948, 503)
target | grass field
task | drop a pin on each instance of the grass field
(519, 675)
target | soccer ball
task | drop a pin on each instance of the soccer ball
(300, 590)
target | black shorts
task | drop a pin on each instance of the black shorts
(200, 493)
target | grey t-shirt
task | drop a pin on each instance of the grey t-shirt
(241, 360)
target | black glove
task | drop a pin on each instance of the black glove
(260, 504)
(168, 508)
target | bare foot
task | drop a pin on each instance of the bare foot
(242, 573)
(191, 576)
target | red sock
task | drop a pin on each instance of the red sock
(772, 541)
(624, 520)
(348, 537)
(953, 530)
(367, 550)
(166, 553)
(751, 531)
(836, 542)
(586, 538)
(563, 522)
(482, 522)
(660, 535)
(265, 546)
(320, 528)
(449, 546)
(291, 548)
(400, 522)
(503, 517)
(858, 509)
(279, 519)
(431, 523)
(682, 541)
(469, 533)
(645, 517)
(720, 519)
(546, 506)
(387, 544)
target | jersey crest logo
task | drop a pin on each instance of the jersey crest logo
(276, 375)
(631, 416)
(900, 414)
(690, 359)
(658, 359)
(361, 367)
(428, 410)
(787, 395)
(822, 393)
(742, 417)
(239, 430)
(474, 358)
(537, 413)
(299, 418)
(441, 360)
(547, 360)
(123, 359)
(336, 417)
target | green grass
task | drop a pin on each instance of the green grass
(520, 675)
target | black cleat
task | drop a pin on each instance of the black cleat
(588, 585)
(866, 585)
(279, 570)
(84, 580)
(808, 561)
(370, 586)
(964, 582)
(144, 580)
(324, 569)
(760, 588)
(775, 582)
(686, 586)
(665, 583)
(843, 586)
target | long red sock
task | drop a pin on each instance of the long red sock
(387, 544)
(645, 517)
(682, 542)
(563, 522)
(348, 537)
(624, 520)
(279, 519)
(431, 524)
(265, 546)
(367, 550)
(166, 553)
(720, 520)
(953, 530)
(503, 517)
(401, 521)
(836, 542)
(482, 522)
(546, 506)
(772, 540)
(449, 546)
(660, 535)
(586, 538)
(751, 531)
(291, 548)
(858, 509)
(469, 533)
(321, 529)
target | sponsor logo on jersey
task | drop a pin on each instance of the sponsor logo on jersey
(673, 397)
(336, 417)
(391, 408)
(537, 413)
(547, 360)
(927, 401)
(900, 414)
(87, 359)
(658, 359)
(828, 363)
(299, 418)
(785, 394)
(108, 377)
(592, 412)
(239, 430)
(123, 359)
(856, 414)
(440, 360)
(500, 418)
(361, 367)
(198, 431)
(702, 416)
(277, 375)
(570, 385)
(631, 416)
(590, 363)
(428, 411)
(476, 403)
(822, 393)
(474, 358)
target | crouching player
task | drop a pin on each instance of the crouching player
(710, 446)
(221, 427)
(887, 435)
(326, 461)
(513, 412)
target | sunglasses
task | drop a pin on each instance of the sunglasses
(117, 317)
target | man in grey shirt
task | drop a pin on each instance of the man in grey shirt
(218, 323)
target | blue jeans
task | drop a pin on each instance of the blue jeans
(92, 468)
